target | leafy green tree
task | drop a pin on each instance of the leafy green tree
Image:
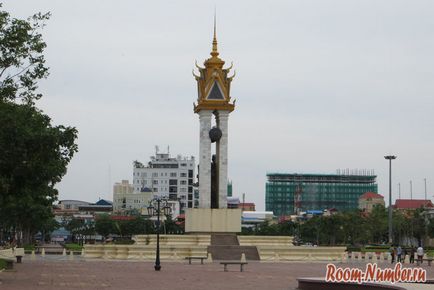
(22, 62)
(418, 225)
(33, 159)
(430, 228)
(34, 153)
(104, 225)
(377, 223)
(75, 226)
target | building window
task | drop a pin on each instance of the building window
(183, 174)
(183, 164)
(183, 182)
(172, 174)
(155, 174)
(155, 181)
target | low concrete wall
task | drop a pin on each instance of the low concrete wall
(11, 253)
(284, 241)
(143, 252)
(194, 240)
(279, 253)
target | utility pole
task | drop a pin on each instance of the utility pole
(411, 190)
(425, 188)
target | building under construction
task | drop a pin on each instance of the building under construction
(287, 194)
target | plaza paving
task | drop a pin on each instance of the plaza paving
(59, 272)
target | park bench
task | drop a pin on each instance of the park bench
(195, 258)
(429, 260)
(225, 265)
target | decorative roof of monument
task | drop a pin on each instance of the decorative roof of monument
(214, 82)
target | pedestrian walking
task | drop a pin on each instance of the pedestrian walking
(412, 252)
(399, 254)
(419, 253)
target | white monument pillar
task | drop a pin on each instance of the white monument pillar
(205, 117)
(222, 157)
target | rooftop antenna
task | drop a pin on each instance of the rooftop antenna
(399, 190)
(168, 149)
(156, 149)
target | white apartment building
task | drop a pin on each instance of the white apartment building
(169, 177)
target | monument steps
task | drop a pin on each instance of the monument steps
(227, 247)
(226, 252)
(224, 239)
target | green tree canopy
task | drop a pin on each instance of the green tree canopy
(34, 154)
(22, 62)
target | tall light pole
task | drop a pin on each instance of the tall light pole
(390, 158)
(155, 209)
(425, 188)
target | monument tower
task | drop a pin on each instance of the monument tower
(214, 101)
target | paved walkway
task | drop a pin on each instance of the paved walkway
(57, 272)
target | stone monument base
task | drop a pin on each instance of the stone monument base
(218, 220)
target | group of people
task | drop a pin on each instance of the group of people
(400, 253)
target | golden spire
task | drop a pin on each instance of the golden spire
(214, 51)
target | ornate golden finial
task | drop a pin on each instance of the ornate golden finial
(214, 51)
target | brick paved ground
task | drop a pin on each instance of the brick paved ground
(61, 273)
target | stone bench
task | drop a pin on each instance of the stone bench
(195, 258)
(225, 265)
(429, 260)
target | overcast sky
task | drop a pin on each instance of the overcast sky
(320, 85)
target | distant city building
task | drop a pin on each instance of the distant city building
(123, 187)
(229, 188)
(287, 194)
(247, 206)
(412, 204)
(233, 202)
(251, 219)
(67, 210)
(368, 200)
(125, 199)
(169, 177)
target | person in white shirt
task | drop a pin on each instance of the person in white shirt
(419, 253)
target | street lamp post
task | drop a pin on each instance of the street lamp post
(390, 158)
(158, 206)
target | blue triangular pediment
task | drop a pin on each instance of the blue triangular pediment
(216, 93)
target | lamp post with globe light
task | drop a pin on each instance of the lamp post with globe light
(158, 206)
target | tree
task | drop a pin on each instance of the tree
(104, 225)
(34, 158)
(75, 226)
(430, 228)
(22, 62)
(34, 153)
